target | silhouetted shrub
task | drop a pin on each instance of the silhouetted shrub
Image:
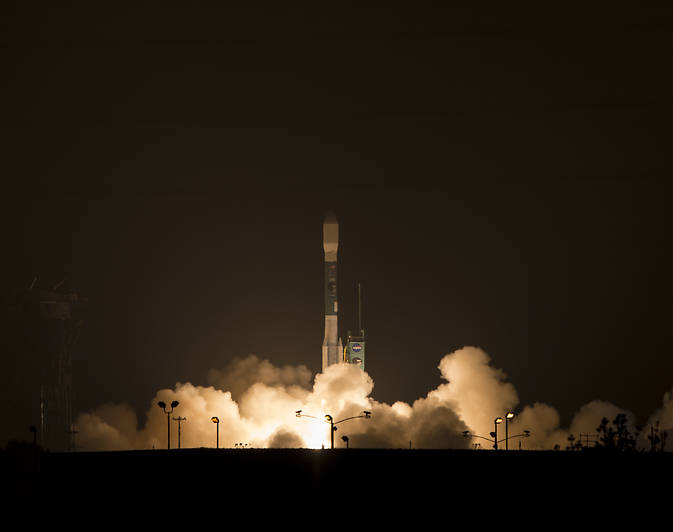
(616, 436)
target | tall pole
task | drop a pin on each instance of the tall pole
(168, 419)
(359, 309)
(179, 420)
(497, 421)
(331, 430)
(509, 415)
(506, 433)
(168, 413)
(216, 420)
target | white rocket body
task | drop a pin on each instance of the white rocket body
(332, 349)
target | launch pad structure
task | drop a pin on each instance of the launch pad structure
(51, 323)
(354, 352)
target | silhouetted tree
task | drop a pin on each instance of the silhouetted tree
(657, 438)
(616, 436)
(573, 445)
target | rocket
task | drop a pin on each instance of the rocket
(332, 349)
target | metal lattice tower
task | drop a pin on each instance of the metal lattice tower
(52, 323)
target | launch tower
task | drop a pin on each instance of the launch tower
(52, 321)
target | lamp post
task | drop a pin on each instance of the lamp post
(496, 422)
(179, 420)
(345, 438)
(216, 420)
(493, 439)
(168, 413)
(509, 415)
(329, 419)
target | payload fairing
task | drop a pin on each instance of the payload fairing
(332, 348)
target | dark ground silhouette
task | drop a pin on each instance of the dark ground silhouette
(251, 479)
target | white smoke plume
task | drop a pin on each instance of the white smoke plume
(256, 404)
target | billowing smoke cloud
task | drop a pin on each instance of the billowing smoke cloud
(241, 374)
(661, 420)
(256, 404)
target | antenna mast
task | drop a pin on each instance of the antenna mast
(359, 308)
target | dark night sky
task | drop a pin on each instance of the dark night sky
(501, 179)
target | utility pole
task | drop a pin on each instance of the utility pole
(179, 420)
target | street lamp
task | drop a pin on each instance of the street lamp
(216, 420)
(493, 439)
(168, 413)
(496, 422)
(509, 415)
(345, 439)
(329, 419)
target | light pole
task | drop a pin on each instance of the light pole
(168, 413)
(179, 420)
(492, 439)
(345, 438)
(509, 415)
(329, 419)
(496, 422)
(216, 420)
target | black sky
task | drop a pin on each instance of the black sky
(501, 179)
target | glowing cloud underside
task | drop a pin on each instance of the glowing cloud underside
(256, 404)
